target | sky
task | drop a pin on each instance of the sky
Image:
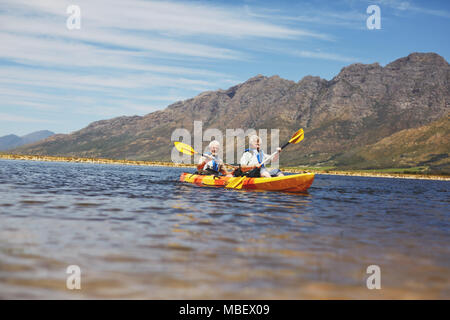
(134, 57)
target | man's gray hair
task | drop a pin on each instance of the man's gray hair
(253, 139)
(214, 143)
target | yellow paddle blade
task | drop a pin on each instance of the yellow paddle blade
(235, 183)
(297, 137)
(184, 148)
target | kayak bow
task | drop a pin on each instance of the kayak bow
(292, 183)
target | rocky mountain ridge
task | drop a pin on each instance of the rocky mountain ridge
(359, 107)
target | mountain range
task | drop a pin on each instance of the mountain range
(366, 117)
(11, 141)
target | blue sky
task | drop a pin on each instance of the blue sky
(134, 57)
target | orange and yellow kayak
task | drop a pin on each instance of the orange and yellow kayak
(292, 183)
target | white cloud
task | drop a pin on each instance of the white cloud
(124, 53)
(168, 17)
(116, 35)
(97, 82)
(5, 117)
(324, 56)
(406, 6)
(56, 34)
(317, 16)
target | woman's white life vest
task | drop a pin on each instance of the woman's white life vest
(214, 164)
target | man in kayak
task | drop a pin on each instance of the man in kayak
(212, 164)
(253, 158)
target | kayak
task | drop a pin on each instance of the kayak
(292, 183)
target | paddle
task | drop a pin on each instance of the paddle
(235, 183)
(187, 149)
(296, 138)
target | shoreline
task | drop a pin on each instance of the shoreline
(93, 160)
(375, 174)
(170, 164)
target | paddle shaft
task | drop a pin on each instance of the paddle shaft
(274, 154)
(187, 149)
(214, 158)
(285, 145)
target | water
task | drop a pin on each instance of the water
(136, 232)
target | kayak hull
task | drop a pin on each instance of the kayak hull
(292, 183)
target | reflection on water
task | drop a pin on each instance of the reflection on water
(136, 232)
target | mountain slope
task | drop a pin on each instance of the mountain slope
(360, 106)
(9, 141)
(428, 146)
(36, 136)
(12, 141)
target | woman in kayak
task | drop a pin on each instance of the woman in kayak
(252, 160)
(212, 164)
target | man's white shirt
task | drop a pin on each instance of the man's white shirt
(250, 158)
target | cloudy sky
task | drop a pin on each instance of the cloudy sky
(134, 56)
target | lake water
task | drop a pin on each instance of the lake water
(136, 232)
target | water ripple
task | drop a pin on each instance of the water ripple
(137, 232)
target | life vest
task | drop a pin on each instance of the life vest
(214, 166)
(259, 155)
